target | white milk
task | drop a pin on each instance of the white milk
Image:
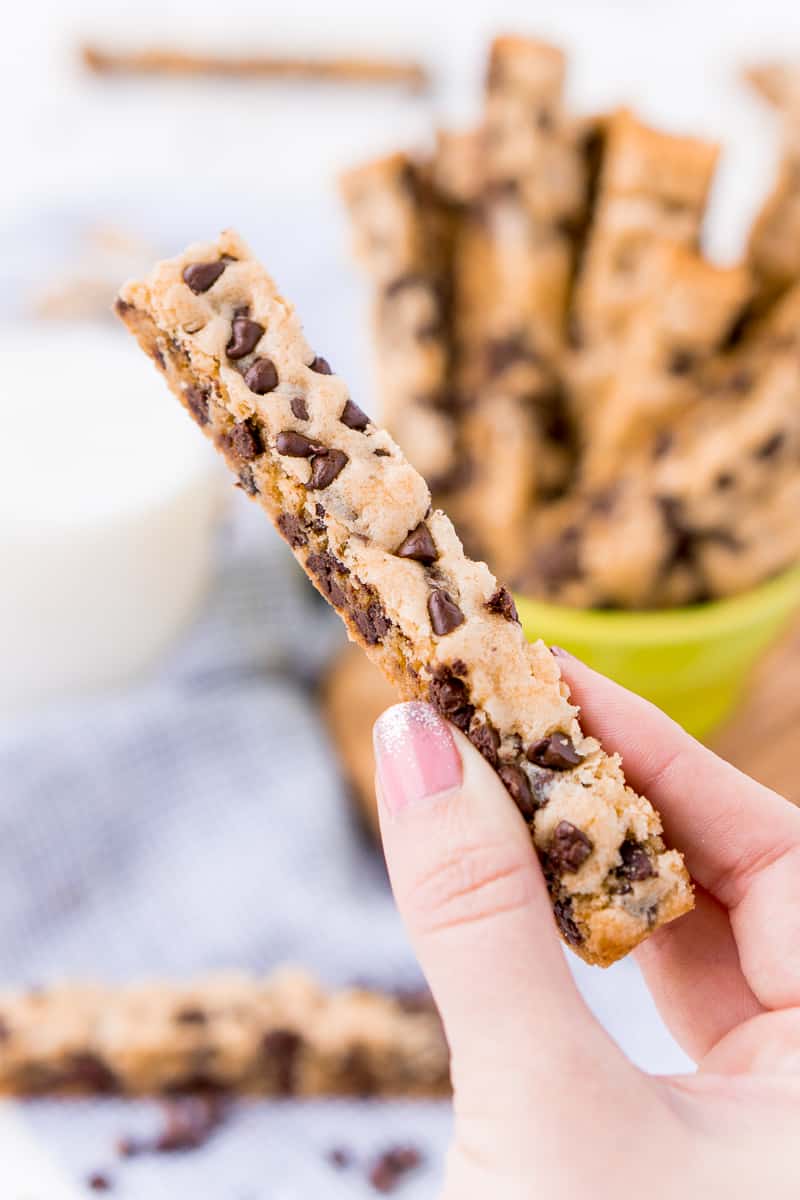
(108, 499)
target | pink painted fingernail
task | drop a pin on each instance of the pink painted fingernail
(415, 755)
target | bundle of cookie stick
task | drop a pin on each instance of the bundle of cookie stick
(619, 418)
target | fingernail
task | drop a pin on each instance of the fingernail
(415, 755)
(560, 652)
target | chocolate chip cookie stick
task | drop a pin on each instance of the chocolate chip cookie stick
(279, 1036)
(358, 518)
(652, 190)
(260, 66)
(401, 235)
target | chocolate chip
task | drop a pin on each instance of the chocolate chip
(327, 569)
(771, 446)
(321, 366)
(444, 613)
(389, 1169)
(292, 530)
(201, 276)
(98, 1181)
(450, 695)
(636, 863)
(189, 1123)
(247, 482)
(261, 376)
(485, 739)
(724, 480)
(569, 848)
(245, 440)
(419, 545)
(299, 407)
(371, 622)
(566, 922)
(382, 453)
(555, 752)
(340, 1157)
(353, 417)
(89, 1073)
(281, 1047)
(296, 445)
(325, 467)
(121, 307)
(502, 353)
(501, 603)
(197, 403)
(518, 787)
(245, 336)
(680, 362)
(191, 1016)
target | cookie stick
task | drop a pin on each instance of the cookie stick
(278, 1036)
(401, 232)
(357, 516)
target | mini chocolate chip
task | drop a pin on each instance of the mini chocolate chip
(98, 1181)
(353, 417)
(444, 613)
(245, 336)
(321, 366)
(501, 603)
(325, 467)
(382, 453)
(450, 695)
(518, 787)
(486, 739)
(556, 752)
(122, 306)
(197, 403)
(636, 863)
(296, 445)
(190, 1122)
(292, 530)
(201, 276)
(566, 922)
(387, 1171)
(680, 362)
(569, 848)
(419, 545)
(191, 1016)
(90, 1073)
(340, 1157)
(245, 440)
(724, 480)
(299, 407)
(771, 446)
(281, 1047)
(261, 376)
(459, 667)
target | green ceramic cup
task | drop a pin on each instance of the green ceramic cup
(693, 662)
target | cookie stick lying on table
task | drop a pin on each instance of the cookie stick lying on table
(278, 1036)
(401, 234)
(358, 518)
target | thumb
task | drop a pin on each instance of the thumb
(469, 887)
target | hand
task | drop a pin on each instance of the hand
(545, 1103)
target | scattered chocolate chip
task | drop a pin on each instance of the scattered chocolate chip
(636, 862)
(680, 362)
(261, 376)
(122, 306)
(419, 545)
(281, 1047)
(321, 366)
(201, 276)
(340, 1157)
(296, 445)
(450, 696)
(444, 613)
(88, 1073)
(485, 739)
(327, 569)
(501, 603)
(245, 439)
(771, 446)
(724, 480)
(387, 1171)
(292, 530)
(245, 336)
(247, 482)
(191, 1016)
(459, 667)
(569, 848)
(518, 787)
(566, 922)
(382, 453)
(189, 1123)
(371, 622)
(197, 403)
(299, 407)
(353, 417)
(555, 752)
(502, 353)
(98, 1181)
(325, 467)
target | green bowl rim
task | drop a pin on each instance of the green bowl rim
(697, 621)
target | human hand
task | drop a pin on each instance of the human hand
(545, 1103)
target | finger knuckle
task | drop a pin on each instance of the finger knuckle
(473, 884)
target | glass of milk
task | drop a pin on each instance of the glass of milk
(108, 502)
